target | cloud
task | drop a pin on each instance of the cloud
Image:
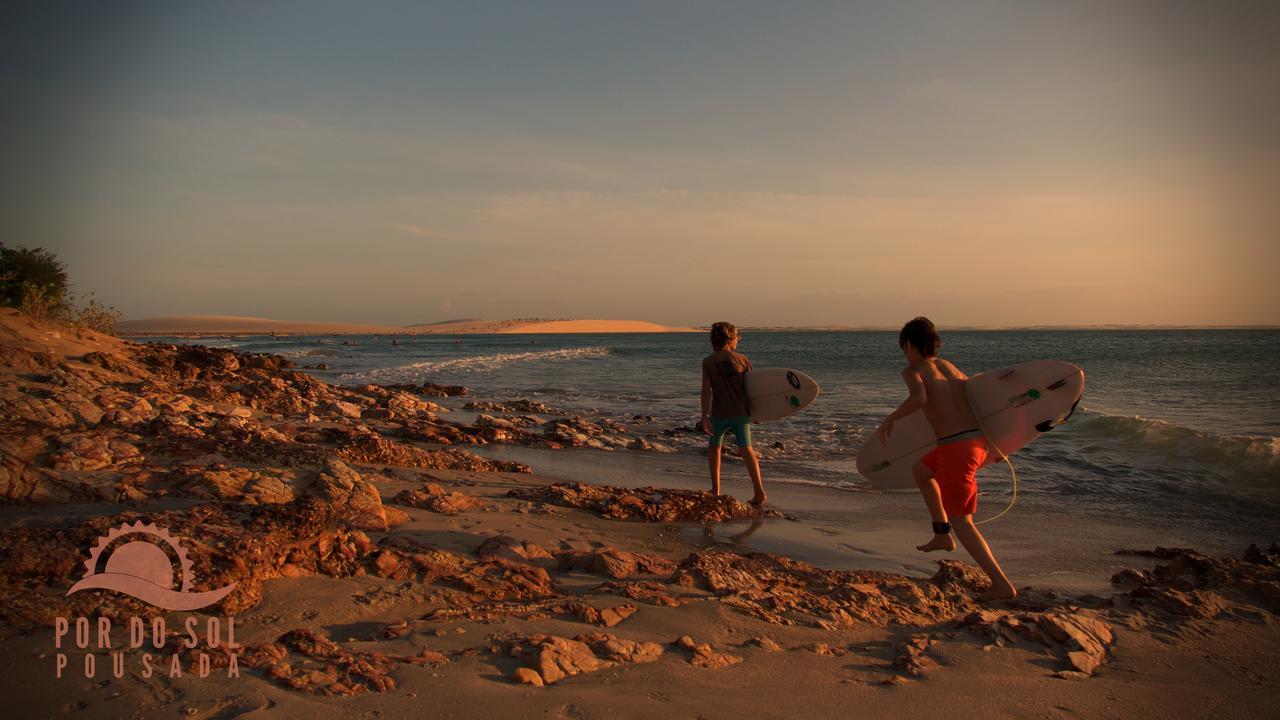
(412, 230)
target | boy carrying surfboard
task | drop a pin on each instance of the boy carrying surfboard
(725, 406)
(946, 475)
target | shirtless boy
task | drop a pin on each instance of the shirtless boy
(946, 476)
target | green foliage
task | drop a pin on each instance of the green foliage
(40, 302)
(35, 282)
(28, 275)
(96, 316)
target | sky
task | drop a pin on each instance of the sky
(854, 163)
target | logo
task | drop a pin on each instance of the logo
(142, 568)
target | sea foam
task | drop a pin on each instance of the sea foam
(475, 364)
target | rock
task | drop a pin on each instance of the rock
(781, 590)
(386, 564)
(371, 448)
(825, 649)
(1085, 639)
(1077, 631)
(527, 676)
(434, 498)
(356, 497)
(615, 563)
(345, 409)
(608, 617)
(508, 548)
(512, 407)
(430, 389)
(704, 656)
(112, 362)
(1269, 557)
(648, 591)
(41, 410)
(268, 489)
(912, 655)
(407, 405)
(395, 516)
(766, 644)
(94, 452)
(617, 649)
(239, 484)
(648, 503)
(557, 658)
(1084, 662)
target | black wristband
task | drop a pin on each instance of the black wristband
(942, 528)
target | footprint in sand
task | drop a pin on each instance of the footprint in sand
(855, 548)
(225, 708)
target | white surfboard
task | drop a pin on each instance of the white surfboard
(775, 393)
(1014, 405)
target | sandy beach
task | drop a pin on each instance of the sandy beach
(401, 550)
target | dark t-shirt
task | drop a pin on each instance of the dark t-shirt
(727, 371)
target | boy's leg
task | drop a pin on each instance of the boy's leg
(713, 460)
(753, 469)
(713, 454)
(933, 500)
(742, 433)
(971, 538)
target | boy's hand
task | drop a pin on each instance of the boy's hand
(706, 425)
(884, 431)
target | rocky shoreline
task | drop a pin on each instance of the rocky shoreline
(272, 477)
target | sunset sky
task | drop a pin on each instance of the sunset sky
(984, 163)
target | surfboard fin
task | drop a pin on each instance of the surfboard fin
(1048, 425)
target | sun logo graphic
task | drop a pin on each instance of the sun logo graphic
(139, 566)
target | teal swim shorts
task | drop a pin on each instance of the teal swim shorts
(740, 425)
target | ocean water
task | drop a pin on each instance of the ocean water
(1175, 425)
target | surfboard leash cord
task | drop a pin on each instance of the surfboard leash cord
(1012, 471)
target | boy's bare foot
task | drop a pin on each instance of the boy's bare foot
(999, 591)
(758, 501)
(939, 542)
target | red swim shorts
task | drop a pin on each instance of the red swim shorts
(955, 467)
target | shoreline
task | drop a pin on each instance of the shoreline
(386, 547)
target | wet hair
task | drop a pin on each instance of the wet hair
(721, 334)
(921, 335)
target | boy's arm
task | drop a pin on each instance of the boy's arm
(915, 401)
(706, 401)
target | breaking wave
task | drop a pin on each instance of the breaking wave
(1229, 454)
(475, 364)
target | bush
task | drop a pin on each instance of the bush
(31, 276)
(35, 282)
(96, 316)
(40, 302)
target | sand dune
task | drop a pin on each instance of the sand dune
(594, 326)
(218, 324)
(235, 325)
